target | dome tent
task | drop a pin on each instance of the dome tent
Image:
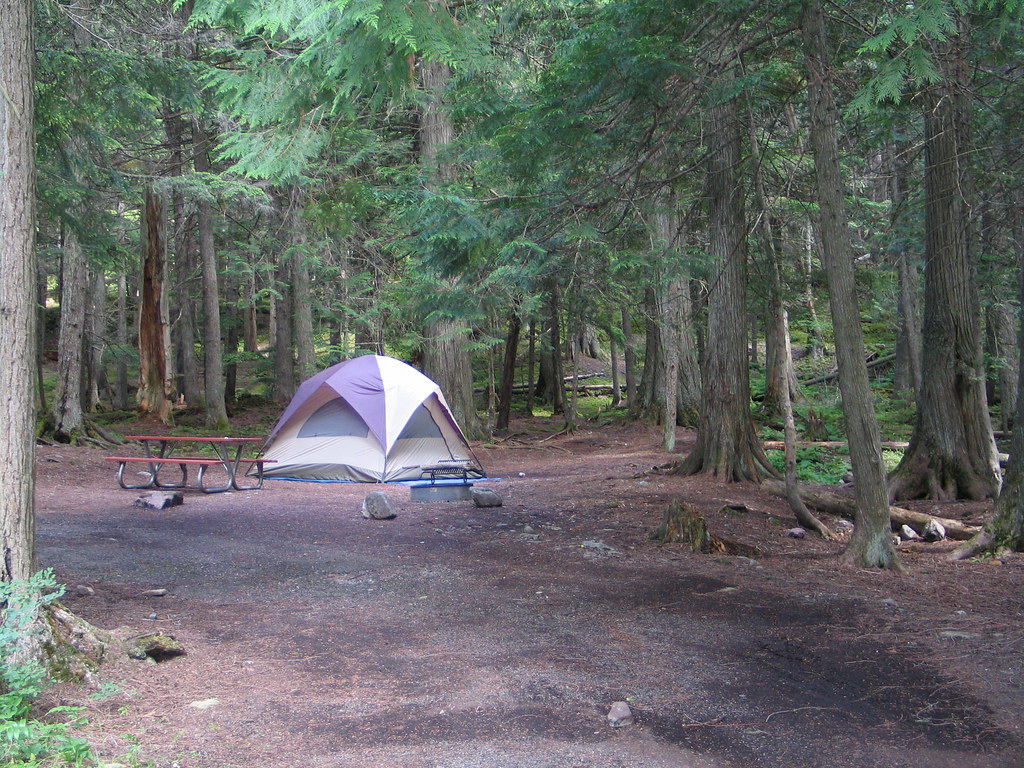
(371, 419)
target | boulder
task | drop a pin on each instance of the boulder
(933, 531)
(485, 497)
(377, 506)
(909, 534)
(159, 500)
(620, 715)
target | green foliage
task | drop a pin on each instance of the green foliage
(25, 740)
(814, 465)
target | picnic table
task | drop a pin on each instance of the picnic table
(160, 450)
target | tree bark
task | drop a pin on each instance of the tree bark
(446, 357)
(1004, 358)
(870, 545)
(1005, 530)
(121, 380)
(213, 351)
(284, 356)
(155, 381)
(727, 446)
(508, 371)
(952, 452)
(18, 338)
(68, 417)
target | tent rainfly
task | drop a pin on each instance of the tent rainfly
(371, 419)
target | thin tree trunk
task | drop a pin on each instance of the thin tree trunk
(302, 298)
(613, 351)
(800, 511)
(213, 352)
(508, 371)
(1005, 357)
(284, 356)
(871, 542)
(97, 339)
(68, 417)
(628, 355)
(18, 340)
(121, 386)
(531, 364)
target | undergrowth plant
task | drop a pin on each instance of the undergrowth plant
(28, 741)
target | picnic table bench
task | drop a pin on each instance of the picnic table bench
(157, 454)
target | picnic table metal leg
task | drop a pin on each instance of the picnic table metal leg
(257, 464)
(157, 482)
(134, 486)
(201, 477)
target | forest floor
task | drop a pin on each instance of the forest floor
(458, 637)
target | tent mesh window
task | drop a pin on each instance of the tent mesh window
(421, 424)
(334, 419)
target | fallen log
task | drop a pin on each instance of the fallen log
(780, 445)
(840, 505)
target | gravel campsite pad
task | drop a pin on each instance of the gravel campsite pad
(459, 637)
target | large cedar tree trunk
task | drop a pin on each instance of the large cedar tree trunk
(871, 542)
(727, 446)
(446, 357)
(17, 292)
(154, 393)
(952, 453)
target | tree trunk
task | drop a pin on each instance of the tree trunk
(96, 344)
(907, 375)
(284, 356)
(213, 352)
(446, 357)
(871, 542)
(628, 355)
(508, 371)
(1004, 357)
(183, 248)
(155, 381)
(727, 446)
(68, 417)
(302, 299)
(121, 386)
(952, 453)
(1005, 531)
(18, 338)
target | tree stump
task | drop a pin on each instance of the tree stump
(683, 524)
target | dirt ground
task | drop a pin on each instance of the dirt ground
(458, 637)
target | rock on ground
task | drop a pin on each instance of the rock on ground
(377, 506)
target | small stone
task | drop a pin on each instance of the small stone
(796, 533)
(933, 531)
(485, 497)
(377, 506)
(889, 602)
(205, 703)
(152, 616)
(154, 593)
(620, 715)
(521, 474)
(953, 634)
(909, 534)
(844, 525)
(85, 590)
(159, 500)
